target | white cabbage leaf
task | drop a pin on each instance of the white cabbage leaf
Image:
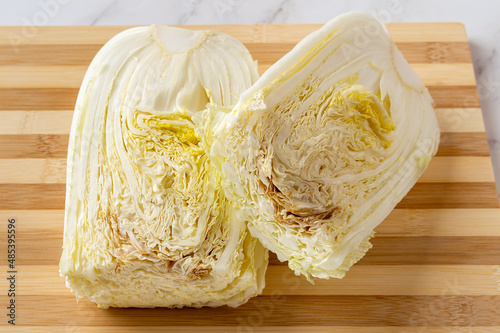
(147, 223)
(325, 144)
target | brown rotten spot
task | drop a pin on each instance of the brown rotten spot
(285, 212)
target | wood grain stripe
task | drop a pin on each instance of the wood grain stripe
(276, 310)
(442, 75)
(38, 99)
(422, 195)
(265, 53)
(460, 119)
(405, 280)
(463, 144)
(399, 223)
(455, 97)
(466, 250)
(33, 171)
(440, 222)
(278, 328)
(33, 146)
(41, 76)
(388, 250)
(36, 122)
(32, 196)
(451, 195)
(467, 169)
(55, 146)
(51, 55)
(59, 122)
(449, 169)
(255, 33)
(435, 52)
(41, 99)
(72, 76)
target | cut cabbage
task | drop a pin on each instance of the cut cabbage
(146, 222)
(325, 144)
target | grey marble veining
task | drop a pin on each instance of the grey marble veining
(481, 22)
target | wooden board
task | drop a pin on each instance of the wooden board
(435, 264)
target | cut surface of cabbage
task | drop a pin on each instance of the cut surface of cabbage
(147, 223)
(325, 144)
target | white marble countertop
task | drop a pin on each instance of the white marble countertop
(481, 22)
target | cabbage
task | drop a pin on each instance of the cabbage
(146, 222)
(325, 144)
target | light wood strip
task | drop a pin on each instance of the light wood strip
(400, 223)
(449, 169)
(265, 53)
(388, 250)
(436, 74)
(433, 74)
(465, 250)
(250, 328)
(59, 122)
(55, 146)
(433, 32)
(438, 310)
(460, 120)
(33, 171)
(270, 33)
(435, 52)
(383, 280)
(35, 122)
(440, 222)
(41, 99)
(72, 76)
(41, 76)
(465, 169)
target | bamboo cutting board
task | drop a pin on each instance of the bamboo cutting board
(434, 265)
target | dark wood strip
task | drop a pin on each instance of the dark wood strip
(463, 144)
(421, 196)
(451, 195)
(34, 146)
(265, 53)
(434, 251)
(32, 196)
(475, 250)
(38, 99)
(55, 145)
(455, 97)
(274, 310)
(426, 251)
(29, 245)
